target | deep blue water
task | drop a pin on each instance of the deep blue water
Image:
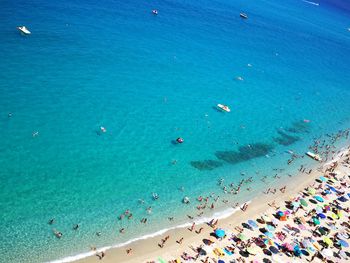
(150, 79)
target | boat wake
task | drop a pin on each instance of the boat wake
(311, 3)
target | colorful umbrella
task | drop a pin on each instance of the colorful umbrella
(311, 191)
(334, 216)
(270, 228)
(316, 221)
(288, 246)
(269, 234)
(327, 252)
(328, 241)
(323, 179)
(253, 250)
(303, 202)
(252, 223)
(273, 249)
(319, 209)
(318, 198)
(322, 216)
(242, 237)
(343, 243)
(219, 233)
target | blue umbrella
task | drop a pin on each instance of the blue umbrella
(323, 179)
(322, 216)
(274, 250)
(221, 261)
(219, 233)
(270, 228)
(342, 199)
(332, 188)
(348, 194)
(318, 198)
(269, 234)
(252, 223)
(343, 243)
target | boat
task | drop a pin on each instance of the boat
(24, 30)
(314, 156)
(243, 15)
(186, 200)
(180, 140)
(224, 107)
(155, 12)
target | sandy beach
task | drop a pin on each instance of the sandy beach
(149, 250)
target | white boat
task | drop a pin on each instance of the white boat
(243, 15)
(224, 107)
(314, 156)
(24, 30)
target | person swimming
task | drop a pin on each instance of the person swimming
(155, 12)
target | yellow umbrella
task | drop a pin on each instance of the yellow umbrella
(328, 241)
(334, 216)
(312, 191)
(340, 214)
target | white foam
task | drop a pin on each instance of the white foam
(342, 152)
(217, 215)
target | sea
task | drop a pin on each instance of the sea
(147, 80)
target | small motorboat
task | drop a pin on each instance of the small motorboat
(224, 107)
(186, 200)
(155, 12)
(314, 156)
(24, 30)
(180, 140)
(243, 15)
(103, 129)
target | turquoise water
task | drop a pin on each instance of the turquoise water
(148, 80)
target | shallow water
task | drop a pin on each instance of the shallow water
(148, 80)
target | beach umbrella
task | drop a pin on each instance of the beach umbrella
(273, 249)
(283, 218)
(316, 221)
(297, 251)
(219, 233)
(343, 243)
(253, 250)
(242, 237)
(322, 216)
(334, 216)
(269, 234)
(340, 214)
(252, 223)
(303, 202)
(279, 213)
(322, 231)
(342, 199)
(306, 243)
(302, 227)
(348, 194)
(202, 252)
(311, 191)
(327, 253)
(288, 246)
(332, 189)
(161, 260)
(221, 261)
(328, 241)
(270, 228)
(319, 209)
(327, 207)
(343, 254)
(318, 198)
(343, 235)
(323, 179)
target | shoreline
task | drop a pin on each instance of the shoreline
(147, 247)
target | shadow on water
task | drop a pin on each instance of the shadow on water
(244, 153)
(285, 139)
(217, 109)
(206, 165)
(299, 127)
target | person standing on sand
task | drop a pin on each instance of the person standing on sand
(192, 227)
(180, 240)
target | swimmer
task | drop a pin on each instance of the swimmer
(103, 129)
(239, 78)
(51, 221)
(75, 227)
(9, 114)
(35, 133)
